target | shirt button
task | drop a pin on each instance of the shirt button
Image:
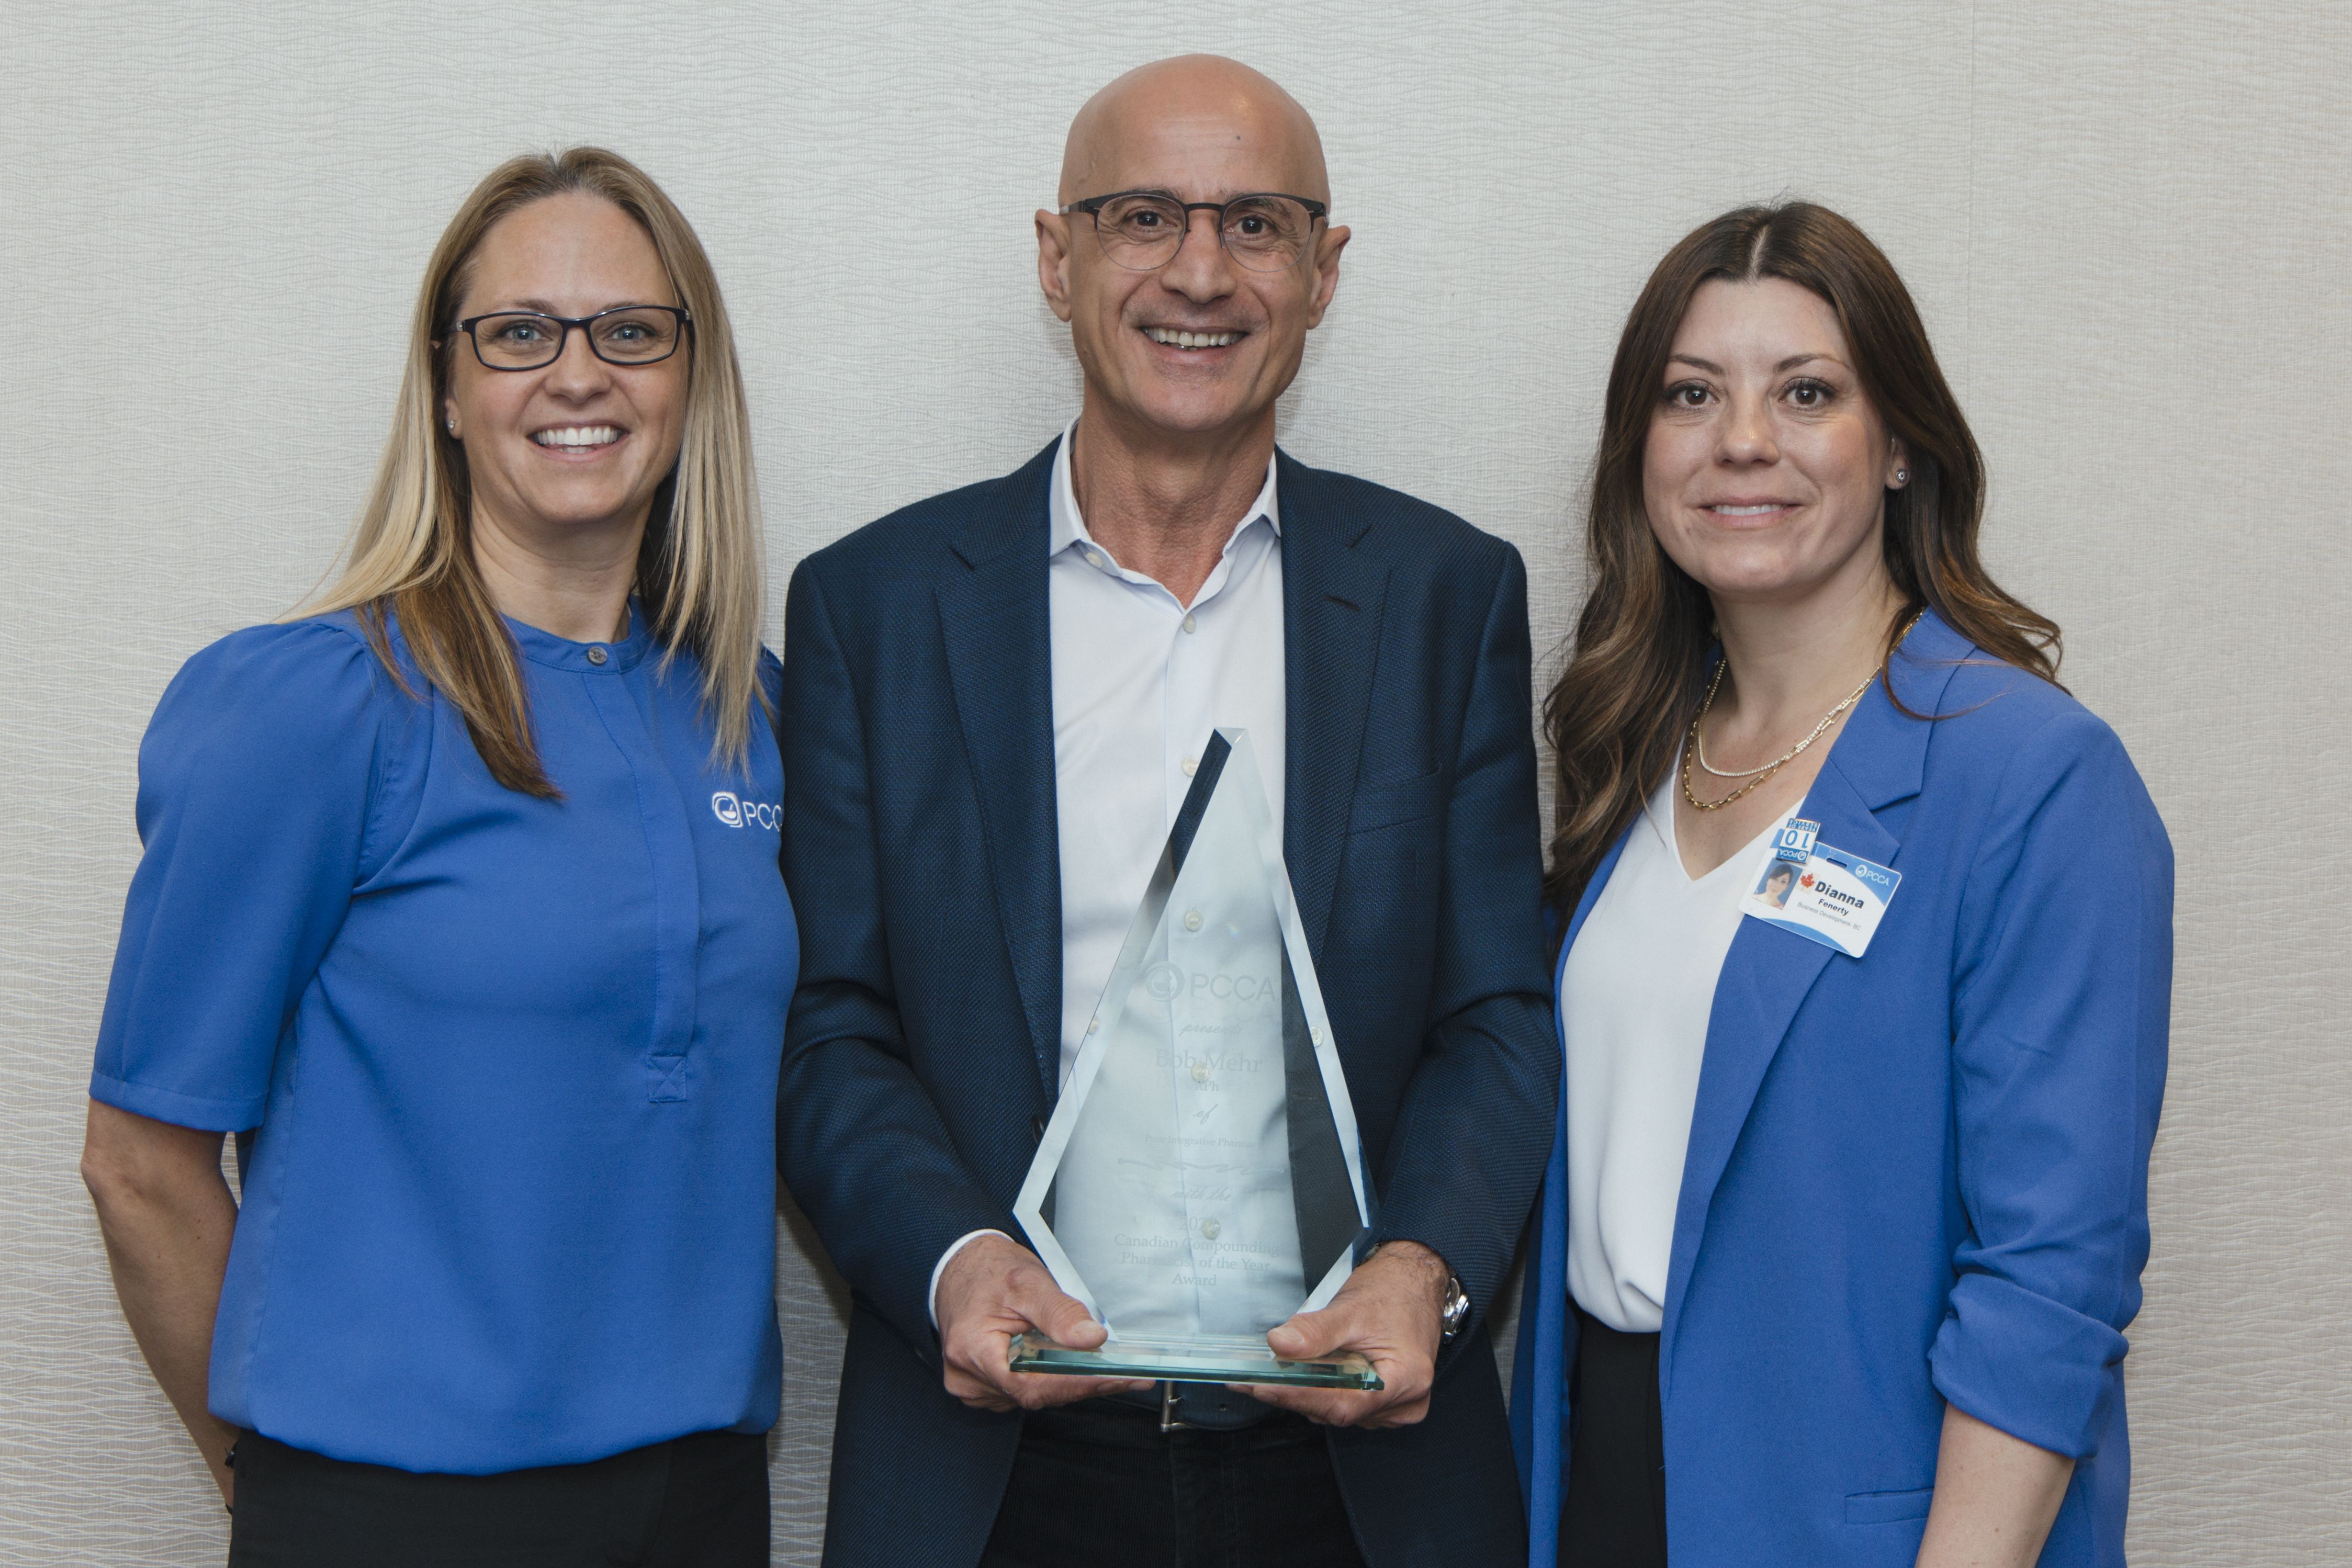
(1190, 764)
(1094, 558)
(1209, 1229)
(1192, 920)
(1188, 625)
(595, 656)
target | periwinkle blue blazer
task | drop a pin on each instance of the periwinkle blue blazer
(1913, 1178)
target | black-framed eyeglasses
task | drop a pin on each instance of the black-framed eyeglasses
(625, 335)
(1143, 230)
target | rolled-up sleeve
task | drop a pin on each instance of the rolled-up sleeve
(254, 781)
(2062, 1005)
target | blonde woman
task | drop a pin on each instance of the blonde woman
(460, 907)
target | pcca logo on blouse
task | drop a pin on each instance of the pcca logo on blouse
(736, 813)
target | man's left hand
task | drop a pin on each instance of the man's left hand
(1392, 1310)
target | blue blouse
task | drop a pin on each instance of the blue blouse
(506, 1066)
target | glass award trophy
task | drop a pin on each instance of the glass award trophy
(1200, 1180)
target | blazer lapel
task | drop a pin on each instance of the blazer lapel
(1331, 600)
(997, 629)
(1877, 762)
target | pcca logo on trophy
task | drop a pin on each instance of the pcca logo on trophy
(1165, 982)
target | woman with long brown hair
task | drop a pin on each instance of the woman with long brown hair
(460, 907)
(1847, 1205)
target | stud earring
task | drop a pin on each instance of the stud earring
(1902, 475)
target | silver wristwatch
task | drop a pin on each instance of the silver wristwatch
(1458, 1306)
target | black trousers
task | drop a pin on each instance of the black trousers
(699, 1502)
(1615, 1512)
(1098, 1482)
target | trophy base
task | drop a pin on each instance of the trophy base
(1208, 1358)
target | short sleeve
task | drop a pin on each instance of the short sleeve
(255, 782)
(2062, 1012)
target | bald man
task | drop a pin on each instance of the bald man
(993, 703)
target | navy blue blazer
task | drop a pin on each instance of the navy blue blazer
(1915, 1176)
(923, 1052)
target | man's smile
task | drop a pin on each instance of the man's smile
(1175, 337)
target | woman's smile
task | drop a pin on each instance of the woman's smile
(578, 442)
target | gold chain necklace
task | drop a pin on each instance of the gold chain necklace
(1694, 751)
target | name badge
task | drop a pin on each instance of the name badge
(1822, 893)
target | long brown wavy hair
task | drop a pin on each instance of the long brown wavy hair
(1635, 680)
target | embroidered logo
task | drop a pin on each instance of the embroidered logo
(737, 813)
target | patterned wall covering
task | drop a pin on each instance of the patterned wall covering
(2125, 224)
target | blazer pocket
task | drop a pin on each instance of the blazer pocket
(1888, 1506)
(1383, 803)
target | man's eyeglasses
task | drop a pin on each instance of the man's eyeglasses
(626, 335)
(1143, 230)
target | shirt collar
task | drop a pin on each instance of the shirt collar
(563, 653)
(1064, 527)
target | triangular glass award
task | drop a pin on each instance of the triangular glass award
(1200, 1180)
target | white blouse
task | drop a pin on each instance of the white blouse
(1634, 1002)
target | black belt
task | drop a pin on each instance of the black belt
(1203, 1406)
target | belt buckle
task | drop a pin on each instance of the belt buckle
(1169, 1420)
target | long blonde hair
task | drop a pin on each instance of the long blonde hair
(698, 572)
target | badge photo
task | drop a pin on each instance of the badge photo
(1820, 891)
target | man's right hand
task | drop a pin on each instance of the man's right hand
(990, 1291)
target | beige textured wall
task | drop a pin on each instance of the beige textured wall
(2126, 224)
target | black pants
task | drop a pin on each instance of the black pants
(699, 1502)
(1099, 1483)
(1615, 1513)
